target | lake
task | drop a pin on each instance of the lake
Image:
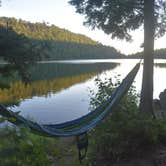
(60, 90)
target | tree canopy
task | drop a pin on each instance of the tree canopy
(158, 54)
(35, 41)
(120, 17)
(44, 31)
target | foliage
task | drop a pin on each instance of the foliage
(19, 51)
(125, 133)
(19, 147)
(159, 54)
(119, 17)
(56, 43)
(70, 50)
(44, 31)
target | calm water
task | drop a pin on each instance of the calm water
(60, 90)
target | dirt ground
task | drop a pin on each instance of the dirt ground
(148, 158)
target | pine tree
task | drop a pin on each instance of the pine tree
(118, 18)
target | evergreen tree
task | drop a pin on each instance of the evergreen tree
(18, 51)
(118, 18)
(31, 40)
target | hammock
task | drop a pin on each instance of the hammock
(78, 127)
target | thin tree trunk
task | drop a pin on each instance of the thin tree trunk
(146, 104)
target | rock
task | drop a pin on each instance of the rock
(162, 97)
(156, 104)
(157, 108)
(160, 159)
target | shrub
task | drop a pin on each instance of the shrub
(18, 147)
(125, 131)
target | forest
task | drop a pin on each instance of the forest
(41, 41)
(158, 54)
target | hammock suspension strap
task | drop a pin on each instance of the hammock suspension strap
(82, 145)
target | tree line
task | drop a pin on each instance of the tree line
(118, 18)
(158, 54)
(49, 42)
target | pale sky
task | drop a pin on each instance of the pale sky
(60, 13)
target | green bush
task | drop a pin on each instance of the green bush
(18, 147)
(126, 131)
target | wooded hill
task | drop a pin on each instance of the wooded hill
(60, 43)
(158, 54)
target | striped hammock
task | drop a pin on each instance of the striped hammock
(78, 127)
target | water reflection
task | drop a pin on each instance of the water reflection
(59, 91)
(160, 65)
(64, 101)
(47, 71)
(48, 78)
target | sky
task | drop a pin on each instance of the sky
(60, 13)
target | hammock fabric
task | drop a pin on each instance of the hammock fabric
(78, 127)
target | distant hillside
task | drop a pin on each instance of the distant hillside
(44, 32)
(61, 43)
(158, 54)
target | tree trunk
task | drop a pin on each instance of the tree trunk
(146, 104)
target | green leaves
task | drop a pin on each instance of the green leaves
(23, 43)
(119, 17)
(2, 119)
(113, 17)
(126, 131)
(18, 147)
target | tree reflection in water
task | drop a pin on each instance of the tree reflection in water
(44, 79)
